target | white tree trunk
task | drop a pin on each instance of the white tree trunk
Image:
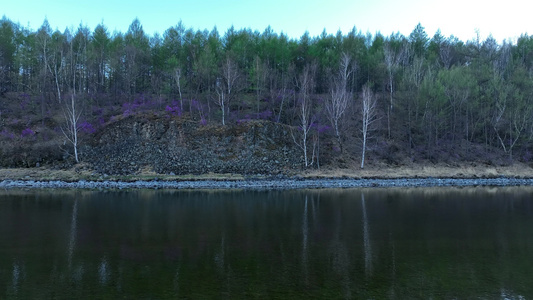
(177, 77)
(70, 130)
(364, 149)
(223, 108)
(306, 86)
(368, 117)
(226, 85)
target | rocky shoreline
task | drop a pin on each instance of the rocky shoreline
(266, 184)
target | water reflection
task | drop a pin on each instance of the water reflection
(340, 259)
(16, 277)
(355, 243)
(392, 292)
(72, 236)
(77, 274)
(103, 271)
(305, 232)
(176, 282)
(219, 257)
(366, 239)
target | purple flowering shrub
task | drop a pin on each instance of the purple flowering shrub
(130, 108)
(265, 115)
(27, 132)
(86, 127)
(141, 103)
(173, 109)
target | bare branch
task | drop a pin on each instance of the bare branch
(338, 101)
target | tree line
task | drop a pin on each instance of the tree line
(429, 94)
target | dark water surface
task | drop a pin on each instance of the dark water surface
(334, 244)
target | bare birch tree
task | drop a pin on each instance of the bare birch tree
(58, 64)
(261, 71)
(510, 119)
(177, 78)
(281, 90)
(70, 129)
(305, 84)
(392, 60)
(338, 101)
(226, 86)
(368, 114)
(42, 39)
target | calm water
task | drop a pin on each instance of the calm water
(353, 243)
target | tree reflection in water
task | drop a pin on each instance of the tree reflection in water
(442, 243)
(366, 239)
(305, 232)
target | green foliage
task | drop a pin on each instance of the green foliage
(444, 91)
(419, 40)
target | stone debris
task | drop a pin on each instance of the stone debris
(268, 184)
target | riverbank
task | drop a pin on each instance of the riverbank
(378, 176)
(267, 184)
(455, 171)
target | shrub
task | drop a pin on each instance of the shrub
(173, 109)
(27, 133)
(86, 127)
(265, 115)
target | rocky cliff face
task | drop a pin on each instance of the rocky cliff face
(180, 146)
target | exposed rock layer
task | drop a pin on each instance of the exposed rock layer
(178, 146)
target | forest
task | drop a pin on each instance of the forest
(431, 98)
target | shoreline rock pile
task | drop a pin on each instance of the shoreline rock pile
(268, 184)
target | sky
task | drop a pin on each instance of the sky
(461, 18)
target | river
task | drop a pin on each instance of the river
(440, 242)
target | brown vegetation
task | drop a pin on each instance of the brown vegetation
(83, 172)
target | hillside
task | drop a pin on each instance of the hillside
(165, 145)
(195, 102)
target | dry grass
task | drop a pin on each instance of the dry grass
(516, 170)
(81, 172)
(43, 174)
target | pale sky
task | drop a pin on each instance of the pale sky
(503, 19)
